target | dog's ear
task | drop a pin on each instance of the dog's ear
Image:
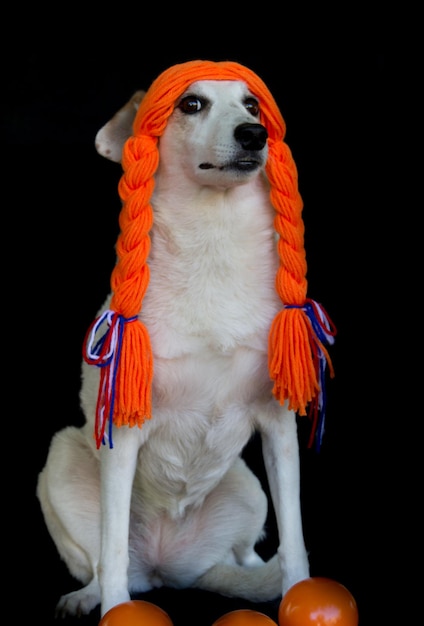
(111, 137)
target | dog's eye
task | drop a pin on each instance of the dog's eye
(191, 104)
(252, 105)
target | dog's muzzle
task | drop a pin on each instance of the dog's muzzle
(252, 139)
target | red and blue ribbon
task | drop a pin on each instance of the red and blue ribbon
(323, 333)
(104, 352)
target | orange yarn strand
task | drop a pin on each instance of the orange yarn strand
(290, 361)
(134, 378)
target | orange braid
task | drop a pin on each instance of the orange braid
(130, 279)
(291, 358)
(290, 363)
(291, 353)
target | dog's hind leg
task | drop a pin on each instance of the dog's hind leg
(214, 549)
(255, 584)
(243, 573)
(68, 490)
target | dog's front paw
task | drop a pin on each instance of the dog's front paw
(289, 581)
(79, 602)
(112, 599)
(293, 571)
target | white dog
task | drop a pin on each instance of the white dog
(172, 502)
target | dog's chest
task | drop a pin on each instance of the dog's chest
(212, 280)
(186, 453)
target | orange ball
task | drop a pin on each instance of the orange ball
(135, 613)
(244, 617)
(318, 602)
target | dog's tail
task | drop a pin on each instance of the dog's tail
(261, 583)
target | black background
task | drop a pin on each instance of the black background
(65, 77)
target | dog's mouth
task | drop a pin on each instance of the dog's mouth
(239, 165)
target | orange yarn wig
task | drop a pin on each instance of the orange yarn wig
(297, 355)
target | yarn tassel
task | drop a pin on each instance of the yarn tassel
(298, 359)
(122, 399)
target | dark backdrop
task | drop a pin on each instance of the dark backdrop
(63, 80)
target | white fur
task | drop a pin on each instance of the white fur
(177, 487)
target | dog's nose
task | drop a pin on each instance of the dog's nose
(251, 136)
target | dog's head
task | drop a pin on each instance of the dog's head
(216, 126)
(222, 122)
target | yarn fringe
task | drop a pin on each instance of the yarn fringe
(297, 358)
(124, 355)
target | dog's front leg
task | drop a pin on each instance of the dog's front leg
(117, 475)
(281, 458)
